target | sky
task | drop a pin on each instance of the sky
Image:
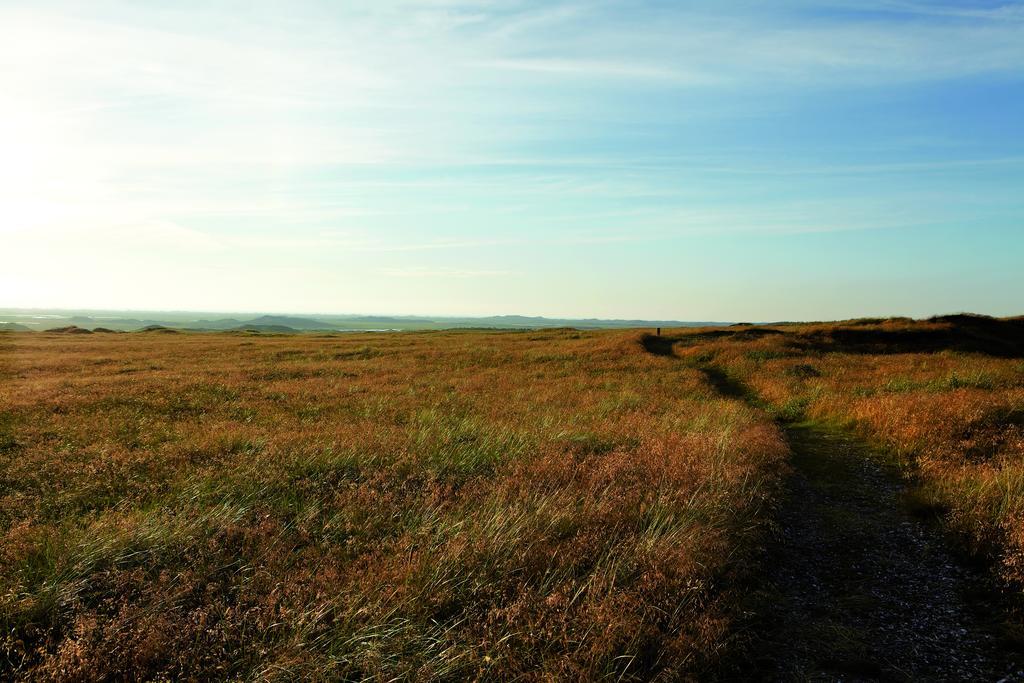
(791, 159)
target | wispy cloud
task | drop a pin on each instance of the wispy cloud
(1008, 11)
(594, 69)
(457, 273)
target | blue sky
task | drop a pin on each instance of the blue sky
(689, 160)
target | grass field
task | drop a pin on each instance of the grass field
(531, 505)
(554, 505)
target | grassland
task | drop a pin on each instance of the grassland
(426, 506)
(534, 505)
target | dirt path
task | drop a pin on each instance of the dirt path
(860, 590)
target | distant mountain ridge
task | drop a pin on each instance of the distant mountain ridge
(39, 319)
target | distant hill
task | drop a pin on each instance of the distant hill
(70, 329)
(263, 328)
(219, 324)
(282, 323)
(382, 319)
(289, 321)
(14, 327)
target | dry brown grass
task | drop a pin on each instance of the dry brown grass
(553, 505)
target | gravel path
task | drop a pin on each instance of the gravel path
(860, 590)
